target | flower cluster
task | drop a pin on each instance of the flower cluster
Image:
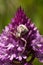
(37, 45)
(19, 40)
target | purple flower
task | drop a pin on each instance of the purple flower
(37, 45)
(28, 64)
(16, 38)
(5, 63)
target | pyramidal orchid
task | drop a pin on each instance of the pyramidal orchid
(19, 40)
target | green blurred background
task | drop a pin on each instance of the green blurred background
(32, 8)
